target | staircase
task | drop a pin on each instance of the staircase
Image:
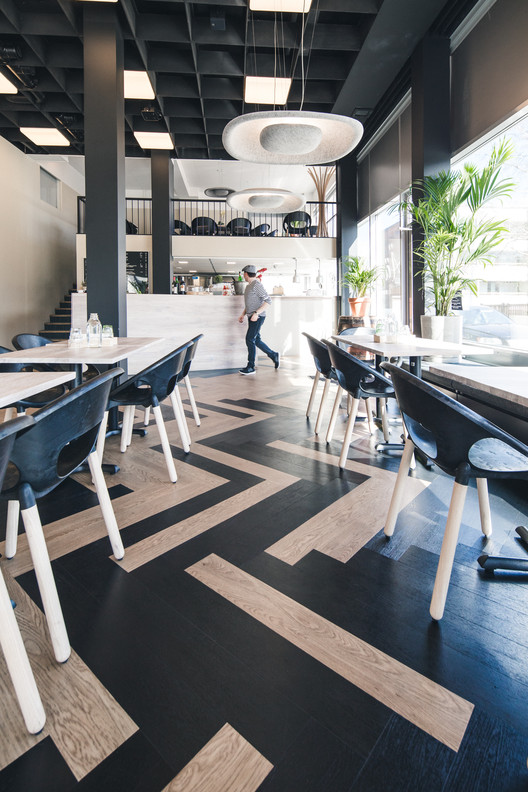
(58, 327)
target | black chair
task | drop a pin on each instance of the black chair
(273, 233)
(204, 226)
(39, 399)
(239, 226)
(465, 446)
(131, 228)
(10, 638)
(323, 368)
(61, 437)
(260, 230)
(297, 224)
(362, 382)
(148, 388)
(181, 228)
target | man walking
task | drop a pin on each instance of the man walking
(255, 300)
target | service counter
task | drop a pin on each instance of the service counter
(180, 317)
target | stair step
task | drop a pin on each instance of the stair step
(65, 304)
(55, 335)
(60, 326)
(62, 312)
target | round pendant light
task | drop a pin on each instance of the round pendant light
(291, 137)
(218, 192)
(265, 200)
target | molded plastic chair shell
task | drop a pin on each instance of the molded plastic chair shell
(323, 368)
(61, 437)
(10, 638)
(182, 228)
(297, 223)
(148, 388)
(360, 381)
(29, 341)
(204, 226)
(464, 445)
(260, 230)
(239, 226)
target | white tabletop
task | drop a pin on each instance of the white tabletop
(19, 385)
(507, 382)
(60, 352)
(412, 347)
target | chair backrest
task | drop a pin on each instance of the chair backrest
(9, 367)
(29, 341)
(204, 226)
(182, 228)
(460, 441)
(297, 223)
(239, 226)
(160, 377)
(189, 355)
(356, 377)
(320, 355)
(63, 434)
(260, 230)
(8, 431)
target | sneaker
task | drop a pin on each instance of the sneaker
(276, 360)
(247, 370)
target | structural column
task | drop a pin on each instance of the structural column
(431, 113)
(347, 210)
(104, 135)
(162, 220)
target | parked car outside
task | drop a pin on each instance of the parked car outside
(486, 325)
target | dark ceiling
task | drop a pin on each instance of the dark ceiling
(197, 54)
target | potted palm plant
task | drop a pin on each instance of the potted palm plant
(456, 233)
(358, 278)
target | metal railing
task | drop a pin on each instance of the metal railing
(207, 217)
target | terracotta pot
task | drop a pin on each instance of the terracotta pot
(359, 305)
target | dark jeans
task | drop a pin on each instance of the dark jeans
(253, 340)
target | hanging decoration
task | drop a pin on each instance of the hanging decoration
(322, 178)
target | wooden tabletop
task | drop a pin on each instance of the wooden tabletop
(60, 352)
(506, 382)
(19, 385)
(411, 347)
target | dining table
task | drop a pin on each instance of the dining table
(18, 385)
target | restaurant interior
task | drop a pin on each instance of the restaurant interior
(312, 578)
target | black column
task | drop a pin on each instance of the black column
(162, 220)
(430, 131)
(347, 211)
(104, 147)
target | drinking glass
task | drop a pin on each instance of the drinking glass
(108, 335)
(76, 337)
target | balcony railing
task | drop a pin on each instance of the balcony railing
(207, 218)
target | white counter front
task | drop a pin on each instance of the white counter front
(181, 317)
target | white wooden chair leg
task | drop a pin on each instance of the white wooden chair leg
(484, 506)
(313, 392)
(368, 407)
(177, 408)
(46, 583)
(124, 427)
(9, 413)
(191, 399)
(130, 427)
(101, 436)
(385, 421)
(165, 443)
(399, 487)
(349, 404)
(13, 513)
(333, 416)
(321, 406)
(18, 665)
(146, 419)
(106, 505)
(447, 553)
(348, 433)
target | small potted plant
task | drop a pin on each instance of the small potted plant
(359, 279)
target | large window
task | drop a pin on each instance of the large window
(498, 314)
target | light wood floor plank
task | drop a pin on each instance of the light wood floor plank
(348, 523)
(432, 708)
(227, 763)
(83, 719)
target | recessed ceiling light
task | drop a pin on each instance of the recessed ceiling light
(192, 270)
(286, 6)
(267, 90)
(183, 262)
(154, 140)
(138, 85)
(45, 136)
(7, 87)
(98, 1)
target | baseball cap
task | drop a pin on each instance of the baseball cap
(251, 269)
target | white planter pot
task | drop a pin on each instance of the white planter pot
(442, 328)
